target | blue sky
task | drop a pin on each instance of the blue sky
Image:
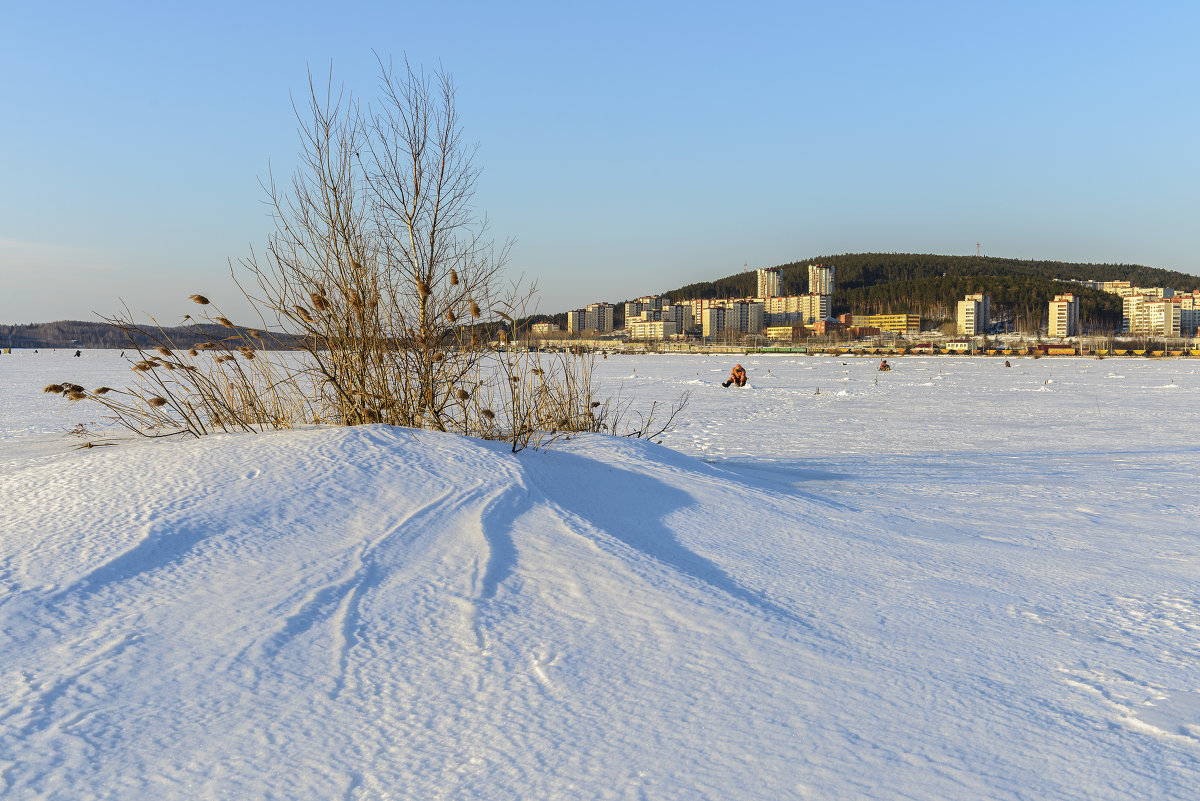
(626, 148)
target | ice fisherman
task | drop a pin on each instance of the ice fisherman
(737, 376)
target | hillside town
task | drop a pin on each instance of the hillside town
(774, 320)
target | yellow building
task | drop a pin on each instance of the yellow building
(900, 323)
(784, 333)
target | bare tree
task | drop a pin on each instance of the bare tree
(378, 259)
(380, 271)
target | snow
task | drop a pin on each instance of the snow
(953, 580)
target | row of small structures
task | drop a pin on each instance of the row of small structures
(920, 349)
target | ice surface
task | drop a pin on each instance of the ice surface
(954, 580)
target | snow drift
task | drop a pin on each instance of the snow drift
(378, 613)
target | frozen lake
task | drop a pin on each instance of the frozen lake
(953, 580)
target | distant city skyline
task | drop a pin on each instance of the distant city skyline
(626, 151)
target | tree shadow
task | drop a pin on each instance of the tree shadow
(632, 507)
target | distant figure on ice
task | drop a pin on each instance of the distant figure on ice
(1006, 364)
(884, 366)
(77, 353)
(737, 376)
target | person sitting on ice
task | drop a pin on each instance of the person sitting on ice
(884, 366)
(737, 376)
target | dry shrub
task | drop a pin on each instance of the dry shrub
(380, 275)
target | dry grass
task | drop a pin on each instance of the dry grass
(380, 273)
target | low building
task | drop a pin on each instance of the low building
(784, 333)
(826, 326)
(651, 330)
(897, 323)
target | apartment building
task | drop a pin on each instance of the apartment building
(717, 315)
(768, 282)
(712, 321)
(647, 303)
(1064, 316)
(651, 330)
(796, 309)
(820, 279)
(597, 317)
(681, 314)
(1189, 313)
(974, 315)
(745, 316)
(1165, 317)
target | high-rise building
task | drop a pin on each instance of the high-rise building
(682, 314)
(768, 283)
(712, 321)
(1135, 311)
(600, 317)
(1189, 313)
(974, 315)
(1165, 317)
(745, 316)
(647, 303)
(820, 279)
(1064, 316)
(597, 317)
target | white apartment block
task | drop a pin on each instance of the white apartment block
(1165, 317)
(820, 279)
(653, 303)
(1064, 316)
(745, 316)
(796, 309)
(741, 315)
(1158, 311)
(815, 307)
(718, 316)
(543, 329)
(1189, 313)
(712, 321)
(682, 314)
(678, 313)
(768, 283)
(600, 318)
(596, 317)
(974, 315)
(1133, 314)
(650, 330)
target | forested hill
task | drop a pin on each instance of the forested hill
(79, 334)
(931, 285)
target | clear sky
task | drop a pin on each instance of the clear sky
(628, 148)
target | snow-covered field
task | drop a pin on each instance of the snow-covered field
(954, 580)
